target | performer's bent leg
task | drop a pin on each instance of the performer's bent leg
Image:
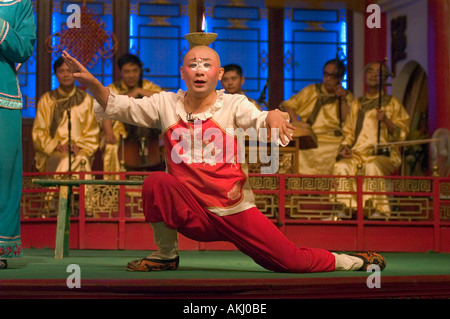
(170, 207)
(255, 235)
(167, 201)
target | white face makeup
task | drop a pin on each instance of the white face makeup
(201, 64)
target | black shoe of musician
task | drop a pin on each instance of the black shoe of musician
(3, 264)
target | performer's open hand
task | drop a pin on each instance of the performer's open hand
(85, 78)
(279, 120)
(80, 73)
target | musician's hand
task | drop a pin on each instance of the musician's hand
(62, 148)
(75, 149)
(381, 115)
(278, 120)
(346, 152)
(110, 139)
(340, 92)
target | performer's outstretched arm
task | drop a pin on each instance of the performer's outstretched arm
(82, 75)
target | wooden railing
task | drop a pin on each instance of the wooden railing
(290, 201)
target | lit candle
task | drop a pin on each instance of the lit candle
(203, 23)
(202, 37)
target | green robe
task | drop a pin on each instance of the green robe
(17, 38)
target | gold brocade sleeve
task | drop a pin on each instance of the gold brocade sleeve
(88, 140)
(400, 118)
(303, 102)
(115, 88)
(348, 129)
(42, 141)
(150, 86)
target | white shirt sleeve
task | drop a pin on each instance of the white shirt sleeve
(141, 112)
(248, 116)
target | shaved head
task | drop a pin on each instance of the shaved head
(201, 51)
(201, 70)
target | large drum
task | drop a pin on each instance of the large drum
(142, 150)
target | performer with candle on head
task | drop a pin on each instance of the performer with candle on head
(209, 201)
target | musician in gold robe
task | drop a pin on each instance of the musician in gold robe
(50, 131)
(324, 106)
(113, 132)
(365, 122)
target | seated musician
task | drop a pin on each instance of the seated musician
(113, 132)
(324, 106)
(51, 133)
(365, 122)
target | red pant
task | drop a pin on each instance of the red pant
(166, 200)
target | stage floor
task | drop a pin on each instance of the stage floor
(215, 274)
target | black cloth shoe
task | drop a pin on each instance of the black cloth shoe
(150, 264)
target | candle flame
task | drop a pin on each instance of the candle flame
(203, 23)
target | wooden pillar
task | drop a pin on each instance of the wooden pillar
(193, 13)
(350, 46)
(121, 29)
(44, 59)
(438, 64)
(276, 56)
(199, 16)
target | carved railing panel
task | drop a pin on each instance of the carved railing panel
(304, 198)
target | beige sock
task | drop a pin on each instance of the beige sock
(167, 241)
(347, 262)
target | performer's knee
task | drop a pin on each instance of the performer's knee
(156, 179)
(151, 194)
